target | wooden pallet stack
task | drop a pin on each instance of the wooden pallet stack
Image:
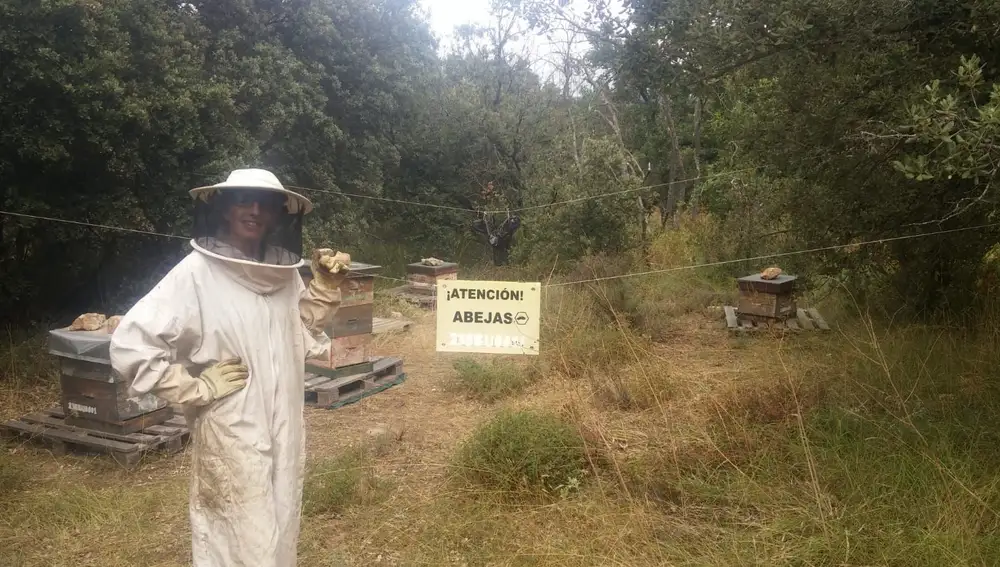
(97, 412)
(335, 387)
(768, 303)
(52, 428)
(350, 372)
(422, 279)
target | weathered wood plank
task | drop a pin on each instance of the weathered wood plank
(382, 325)
(133, 425)
(177, 421)
(315, 380)
(338, 383)
(331, 373)
(165, 430)
(820, 322)
(385, 363)
(50, 427)
(804, 320)
(385, 372)
(72, 437)
(340, 389)
(40, 419)
(731, 321)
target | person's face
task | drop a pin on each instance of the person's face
(252, 213)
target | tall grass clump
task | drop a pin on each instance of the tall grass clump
(881, 452)
(522, 452)
(583, 328)
(28, 375)
(336, 483)
(493, 379)
(13, 476)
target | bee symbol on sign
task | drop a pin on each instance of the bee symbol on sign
(521, 318)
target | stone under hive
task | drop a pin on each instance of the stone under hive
(93, 395)
(770, 298)
(351, 329)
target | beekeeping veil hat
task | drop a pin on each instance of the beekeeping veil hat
(250, 218)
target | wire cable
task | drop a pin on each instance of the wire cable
(776, 255)
(520, 209)
(385, 199)
(604, 278)
(82, 223)
(622, 192)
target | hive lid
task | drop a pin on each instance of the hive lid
(89, 346)
(420, 268)
(781, 284)
(361, 269)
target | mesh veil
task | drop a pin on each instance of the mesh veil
(250, 225)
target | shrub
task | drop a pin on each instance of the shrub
(523, 451)
(493, 380)
(337, 483)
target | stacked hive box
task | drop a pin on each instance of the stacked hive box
(351, 328)
(93, 395)
(422, 279)
(771, 299)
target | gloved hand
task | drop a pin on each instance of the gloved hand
(329, 269)
(224, 378)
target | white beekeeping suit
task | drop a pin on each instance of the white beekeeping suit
(226, 334)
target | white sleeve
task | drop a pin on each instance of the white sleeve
(317, 346)
(162, 325)
(317, 306)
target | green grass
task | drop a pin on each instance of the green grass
(13, 477)
(336, 483)
(886, 454)
(521, 452)
(492, 380)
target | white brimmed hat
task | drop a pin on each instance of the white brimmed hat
(258, 179)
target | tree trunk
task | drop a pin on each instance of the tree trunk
(677, 190)
(695, 204)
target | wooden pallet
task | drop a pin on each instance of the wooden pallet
(50, 428)
(381, 325)
(805, 320)
(331, 393)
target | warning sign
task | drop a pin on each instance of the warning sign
(488, 317)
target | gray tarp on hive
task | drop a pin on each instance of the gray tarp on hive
(90, 346)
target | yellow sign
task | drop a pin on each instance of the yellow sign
(488, 317)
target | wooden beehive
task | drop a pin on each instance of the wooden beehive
(423, 279)
(351, 328)
(93, 395)
(773, 299)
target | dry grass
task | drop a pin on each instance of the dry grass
(28, 378)
(700, 449)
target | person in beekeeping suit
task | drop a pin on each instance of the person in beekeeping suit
(225, 334)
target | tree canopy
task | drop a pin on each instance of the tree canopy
(793, 123)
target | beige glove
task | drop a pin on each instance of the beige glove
(224, 378)
(321, 300)
(215, 382)
(330, 268)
